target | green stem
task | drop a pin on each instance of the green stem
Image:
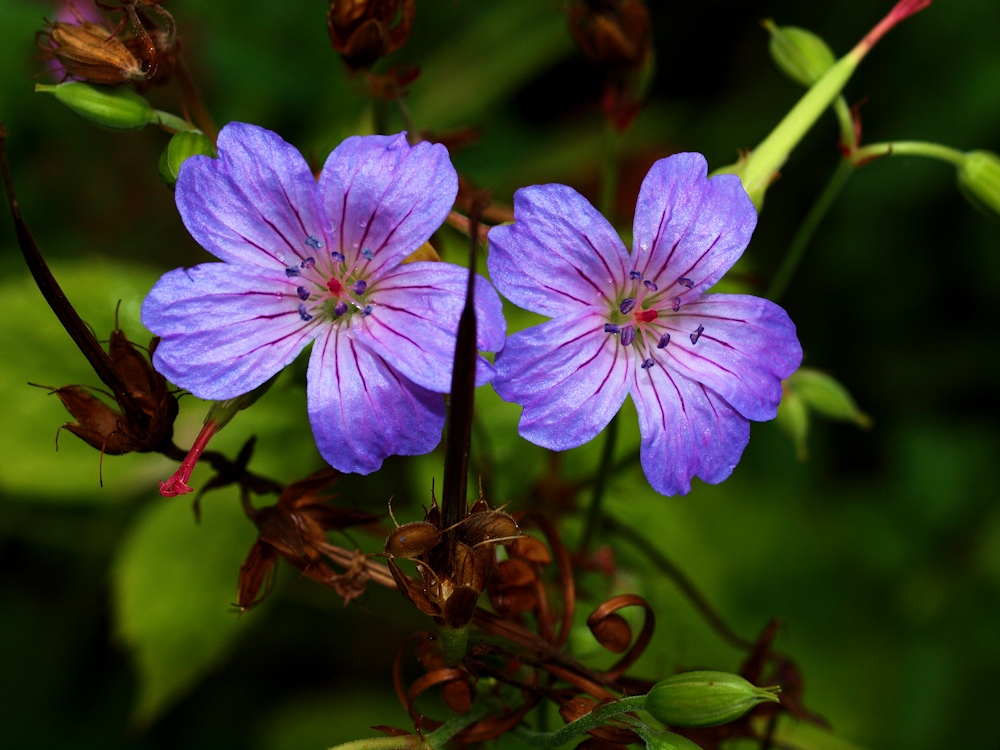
(406, 742)
(609, 172)
(172, 123)
(909, 148)
(440, 737)
(806, 230)
(453, 644)
(846, 122)
(595, 719)
(600, 484)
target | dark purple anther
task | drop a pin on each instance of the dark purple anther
(675, 304)
(367, 311)
(367, 253)
(684, 282)
(650, 285)
(314, 243)
(290, 272)
(610, 328)
(360, 286)
(302, 312)
(302, 292)
(339, 257)
(647, 363)
(628, 335)
(634, 275)
(627, 304)
(697, 334)
(340, 309)
(664, 340)
(308, 263)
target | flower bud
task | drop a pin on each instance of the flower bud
(362, 31)
(793, 419)
(114, 109)
(798, 53)
(88, 51)
(180, 147)
(705, 699)
(823, 394)
(979, 181)
(612, 33)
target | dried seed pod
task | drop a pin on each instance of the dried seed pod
(613, 632)
(530, 549)
(480, 527)
(411, 540)
(88, 51)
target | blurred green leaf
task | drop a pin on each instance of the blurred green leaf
(174, 584)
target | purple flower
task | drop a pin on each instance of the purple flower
(697, 365)
(307, 261)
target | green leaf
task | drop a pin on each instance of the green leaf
(174, 582)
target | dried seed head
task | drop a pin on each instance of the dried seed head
(87, 51)
(613, 632)
(615, 34)
(411, 540)
(364, 31)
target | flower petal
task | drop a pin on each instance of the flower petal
(387, 197)
(560, 255)
(740, 346)
(362, 410)
(414, 321)
(689, 230)
(569, 375)
(256, 204)
(225, 329)
(687, 431)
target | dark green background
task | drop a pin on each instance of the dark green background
(882, 553)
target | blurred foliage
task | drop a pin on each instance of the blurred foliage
(882, 553)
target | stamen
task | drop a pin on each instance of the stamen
(302, 292)
(610, 328)
(308, 263)
(664, 340)
(685, 282)
(290, 272)
(313, 242)
(627, 304)
(368, 254)
(645, 316)
(334, 286)
(340, 309)
(634, 275)
(628, 335)
(697, 334)
(650, 285)
(675, 304)
(360, 286)
(303, 314)
(647, 363)
(367, 311)
(339, 257)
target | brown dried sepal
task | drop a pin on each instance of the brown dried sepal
(613, 632)
(89, 51)
(364, 31)
(513, 590)
(614, 34)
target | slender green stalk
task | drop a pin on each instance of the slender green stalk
(804, 234)
(909, 148)
(600, 484)
(596, 718)
(172, 123)
(609, 172)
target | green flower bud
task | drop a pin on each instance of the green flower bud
(670, 741)
(181, 146)
(112, 108)
(979, 181)
(705, 699)
(798, 53)
(793, 419)
(823, 394)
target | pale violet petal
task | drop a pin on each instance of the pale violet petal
(224, 329)
(363, 411)
(559, 256)
(569, 375)
(257, 204)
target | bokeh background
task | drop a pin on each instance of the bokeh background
(881, 553)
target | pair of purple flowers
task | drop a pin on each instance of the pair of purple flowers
(322, 262)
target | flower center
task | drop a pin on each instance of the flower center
(332, 291)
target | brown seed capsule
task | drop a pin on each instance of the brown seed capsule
(411, 540)
(614, 34)
(530, 549)
(613, 632)
(485, 526)
(364, 31)
(87, 51)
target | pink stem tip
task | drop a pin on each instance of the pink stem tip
(178, 482)
(902, 9)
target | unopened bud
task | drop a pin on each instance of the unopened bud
(115, 109)
(705, 699)
(793, 419)
(798, 53)
(825, 395)
(180, 147)
(979, 181)
(363, 31)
